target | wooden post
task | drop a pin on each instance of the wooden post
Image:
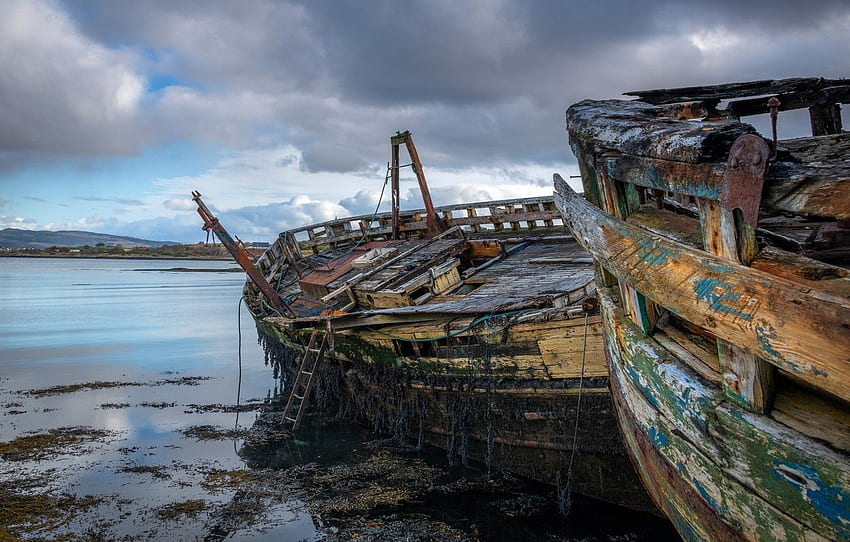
(826, 119)
(728, 230)
(620, 201)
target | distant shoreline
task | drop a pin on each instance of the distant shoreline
(116, 257)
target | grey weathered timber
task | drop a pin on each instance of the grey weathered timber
(737, 90)
(611, 124)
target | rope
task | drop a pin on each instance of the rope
(239, 358)
(578, 405)
(378, 206)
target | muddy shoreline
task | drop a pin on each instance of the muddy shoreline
(340, 482)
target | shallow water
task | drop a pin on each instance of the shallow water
(75, 321)
(167, 341)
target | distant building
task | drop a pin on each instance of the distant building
(259, 244)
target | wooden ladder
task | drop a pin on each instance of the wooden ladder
(300, 394)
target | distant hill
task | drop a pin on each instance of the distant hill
(17, 239)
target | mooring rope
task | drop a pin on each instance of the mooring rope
(372, 219)
(239, 359)
(578, 404)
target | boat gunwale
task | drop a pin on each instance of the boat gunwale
(728, 314)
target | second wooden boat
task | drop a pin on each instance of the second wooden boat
(722, 261)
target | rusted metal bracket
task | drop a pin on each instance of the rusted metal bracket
(747, 164)
(235, 248)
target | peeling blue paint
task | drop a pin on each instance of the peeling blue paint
(647, 392)
(720, 296)
(765, 335)
(831, 502)
(686, 530)
(654, 177)
(716, 267)
(707, 498)
(653, 255)
(658, 438)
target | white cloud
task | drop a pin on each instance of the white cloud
(17, 222)
(175, 204)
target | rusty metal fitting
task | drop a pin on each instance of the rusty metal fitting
(773, 103)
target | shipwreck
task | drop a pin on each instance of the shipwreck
(470, 327)
(722, 271)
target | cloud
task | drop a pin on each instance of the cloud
(480, 83)
(175, 204)
(365, 201)
(299, 98)
(2, 202)
(62, 92)
(122, 201)
(17, 222)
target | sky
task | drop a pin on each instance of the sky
(280, 112)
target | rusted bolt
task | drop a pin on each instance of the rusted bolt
(756, 160)
(734, 162)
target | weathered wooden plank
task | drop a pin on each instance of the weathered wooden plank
(688, 352)
(796, 267)
(782, 321)
(735, 90)
(746, 379)
(799, 99)
(693, 518)
(574, 328)
(809, 189)
(639, 129)
(566, 358)
(703, 180)
(720, 445)
(813, 416)
(499, 218)
(674, 226)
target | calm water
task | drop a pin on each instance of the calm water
(67, 321)
(78, 321)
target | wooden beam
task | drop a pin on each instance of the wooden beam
(735, 90)
(818, 189)
(793, 326)
(610, 126)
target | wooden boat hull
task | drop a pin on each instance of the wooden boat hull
(724, 314)
(717, 471)
(560, 431)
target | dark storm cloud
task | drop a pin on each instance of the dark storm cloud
(479, 82)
